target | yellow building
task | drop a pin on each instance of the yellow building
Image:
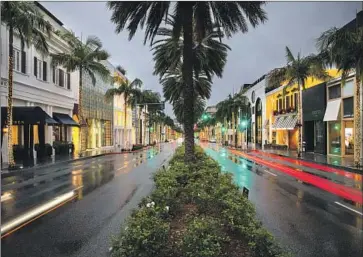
(281, 113)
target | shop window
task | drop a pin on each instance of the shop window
(35, 134)
(334, 138)
(348, 111)
(276, 105)
(15, 135)
(348, 137)
(334, 92)
(348, 88)
(292, 100)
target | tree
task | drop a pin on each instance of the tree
(344, 48)
(297, 71)
(129, 90)
(230, 17)
(86, 59)
(24, 19)
(228, 110)
(121, 69)
(179, 111)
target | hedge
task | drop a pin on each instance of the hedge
(194, 211)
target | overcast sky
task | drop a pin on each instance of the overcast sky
(295, 24)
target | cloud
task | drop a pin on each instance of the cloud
(295, 24)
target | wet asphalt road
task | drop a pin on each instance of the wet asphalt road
(305, 220)
(105, 190)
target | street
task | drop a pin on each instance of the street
(306, 220)
(93, 199)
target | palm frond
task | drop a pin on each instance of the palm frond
(289, 56)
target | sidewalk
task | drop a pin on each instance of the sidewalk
(345, 163)
(65, 159)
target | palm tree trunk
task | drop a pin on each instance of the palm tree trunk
(357, 121)
(300, 121)
(188, 78)
(80, 113)
(11, 162)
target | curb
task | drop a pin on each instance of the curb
(345, 168)
(21, 171)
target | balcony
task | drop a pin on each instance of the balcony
(289, 110)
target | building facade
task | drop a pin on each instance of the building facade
(257, 128)
(123, 119)
(43, 95)
(97, 113)
(281, 113)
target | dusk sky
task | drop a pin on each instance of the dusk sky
(293, 24)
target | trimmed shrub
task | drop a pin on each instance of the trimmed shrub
(195, 211)
(137, 147)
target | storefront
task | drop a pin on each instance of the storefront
(339, 117)
(314, 129)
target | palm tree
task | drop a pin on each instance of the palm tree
(129, 90)
(24, 19)
(86, 59)
(297, 71)
(179, 110)
(343, 47)
(228, 16)
(121, 69)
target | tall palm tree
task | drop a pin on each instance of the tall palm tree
(179, 111)
(25, 20)
(228, 16)
(297, 71)
(129, 90)
(86, 59)
(344, 48)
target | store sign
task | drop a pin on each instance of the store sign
(314, 102)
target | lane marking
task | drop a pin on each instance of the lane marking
(122, 167)
(351, 209)
(273, 174)
(30, 216)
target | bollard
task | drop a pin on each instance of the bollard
(245, 192)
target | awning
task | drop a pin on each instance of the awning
(277, 122)
(290, 122)
(332, 110)
(64, 119)
(27, 115)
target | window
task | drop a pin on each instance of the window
(61, 78)
(296, 101)
(348, 111)
(334, 138)
(68, 80)
(280, 104)
(277, 105)
(287, 102)
(334, 92)
(16, 60)
(292, 100)
(54, 72)
(40, 69)
(19, 60)
(348, 88)
(349, 137)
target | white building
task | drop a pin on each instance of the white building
(257, 127)
(37, 84)
(124, 137)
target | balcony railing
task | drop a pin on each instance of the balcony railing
(285, 111)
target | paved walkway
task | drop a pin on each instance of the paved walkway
(342, 162)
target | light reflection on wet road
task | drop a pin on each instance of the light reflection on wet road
(303, 218)
(101, 193)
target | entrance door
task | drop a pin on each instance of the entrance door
(292, 139)
(320, 137)
(309, 136)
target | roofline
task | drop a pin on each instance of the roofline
(48, 13)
